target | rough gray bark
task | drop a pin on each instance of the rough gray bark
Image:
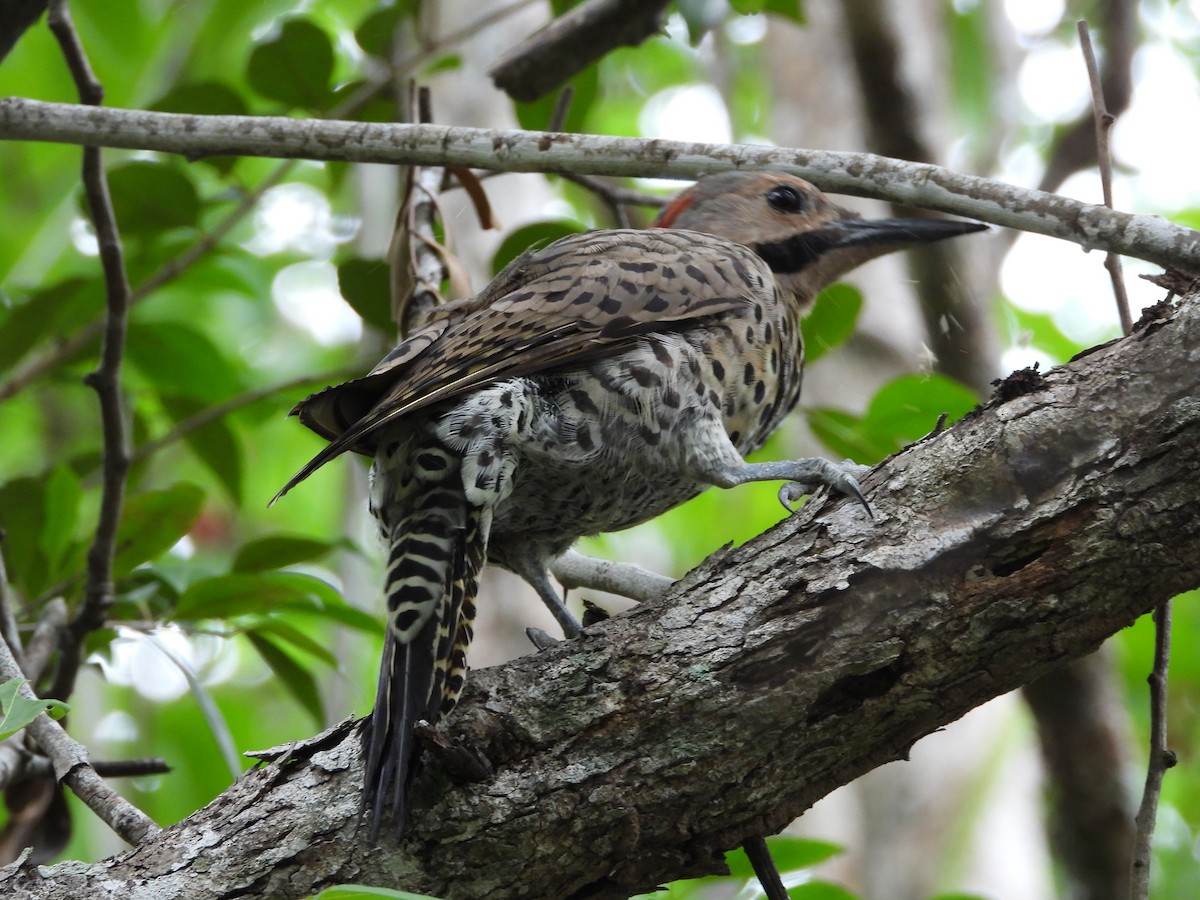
(1004, 546)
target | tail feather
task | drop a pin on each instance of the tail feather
(437, 548)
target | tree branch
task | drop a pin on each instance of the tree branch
(862, 174)
(768, 676)
(574, 41)
(106, 379)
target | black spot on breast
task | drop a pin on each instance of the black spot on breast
(735, 436)
(650, 435)
(696, 274)
(610, 305)
(768, 332)
(659, 349)
(583, 402)
(584, 439)
(644, 376)
(718, 370)
(670, 398)
(760, 391)
(748, 374)
(774, 361)
(583, 297)
(656, 304)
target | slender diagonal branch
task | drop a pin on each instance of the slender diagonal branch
(71, 767)
(106, 379)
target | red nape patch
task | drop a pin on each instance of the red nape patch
(666, 218)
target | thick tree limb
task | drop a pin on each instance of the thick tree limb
(1006, 545)
(861, 174)
(574, 41)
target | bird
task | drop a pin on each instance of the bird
(595, 383)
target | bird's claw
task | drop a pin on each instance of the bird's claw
(844, 482)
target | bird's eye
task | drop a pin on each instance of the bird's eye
(785, 198)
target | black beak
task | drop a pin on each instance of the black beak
(861, 239)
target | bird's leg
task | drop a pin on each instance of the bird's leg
(574, 569)
(531, 567)
(801, 475)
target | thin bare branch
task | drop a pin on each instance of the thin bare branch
(106, 379)
(211, 414)
(71, 766)
(1161, 758)
(1104, 122)
(862, 174)
(8, 618)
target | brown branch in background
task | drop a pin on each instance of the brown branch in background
(574, 41)
(1103, 130)
(417, 262)
(210, 414)
(1161, 758)
(958, 328)
(8, 618)
(131, 768)
(70, 761)
(1076, 147)
(69, 347)
(106, 379)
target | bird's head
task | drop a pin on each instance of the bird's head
(806, 239)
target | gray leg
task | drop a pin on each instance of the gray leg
(534, 571)
(802, 475)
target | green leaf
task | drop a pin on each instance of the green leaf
(23, 519)
(295, 637)
(789, 853)
(295, 66)
(366, 286)
(908, 407)
(153, 522)
(820, 890)
(204, 98)
(842, 433)
(376, 33)
(358, 891)
(535, 115)
(298, 680)
(56, 309)
(150, 198)
(831, 321)
(278, 551)
(786, 9)
(226, 596)
(16, 711)
(1040, 331)
(216, 444)
(533, 235)
(63, 493)
(904, 410)
(180, 360)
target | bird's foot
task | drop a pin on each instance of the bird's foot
(841, 477)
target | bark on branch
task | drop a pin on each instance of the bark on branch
(1006, 545)
(860, 174)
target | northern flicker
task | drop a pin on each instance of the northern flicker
(593, 385)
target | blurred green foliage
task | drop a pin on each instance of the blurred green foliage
(279, 646)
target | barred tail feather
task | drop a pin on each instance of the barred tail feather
(436, 549)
